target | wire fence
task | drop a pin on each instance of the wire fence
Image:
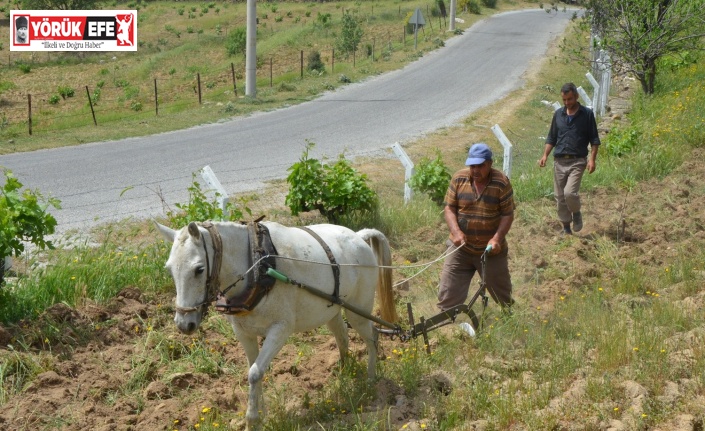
(114, 99)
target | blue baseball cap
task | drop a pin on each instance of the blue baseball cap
(479, 153)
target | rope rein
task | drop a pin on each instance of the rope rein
(424, 266)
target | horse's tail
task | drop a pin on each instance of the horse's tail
(380, 247)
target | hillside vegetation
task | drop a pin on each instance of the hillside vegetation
(191, 59)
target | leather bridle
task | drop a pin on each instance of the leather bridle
(212, 274)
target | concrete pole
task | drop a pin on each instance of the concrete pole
(251, 50)
(452, 15)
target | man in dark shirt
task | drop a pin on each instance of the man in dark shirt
(573, 128)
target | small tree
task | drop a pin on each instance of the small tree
(333, 190)
(637, 33)
(350, 35)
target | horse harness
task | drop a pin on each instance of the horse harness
(262, 254)
(259, 283)
(212, 282)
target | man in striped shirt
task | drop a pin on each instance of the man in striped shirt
(479, 211)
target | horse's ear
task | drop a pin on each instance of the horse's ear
(193, 230)
(168, 233)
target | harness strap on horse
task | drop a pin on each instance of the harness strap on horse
(259, 283)
(334, 264)
(212, 274)
(217, 242)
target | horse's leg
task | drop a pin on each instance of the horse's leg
(340, 332)
(273, 343)
(364, 327)
(251, 346)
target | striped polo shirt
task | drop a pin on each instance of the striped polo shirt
(478, 216)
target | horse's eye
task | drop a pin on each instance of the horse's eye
(199, 270)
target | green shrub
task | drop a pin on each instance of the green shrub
(54, 99)
(333, 190)
(95, 97)
(438, 9)
(431, 177)
(492, 4)
(200, 208)
(619, 142)
(236, 41)
(315, 62)
(65, 91)
(23, 217)
(474, 7)
(286, 86)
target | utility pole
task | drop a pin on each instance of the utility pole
(251, 50)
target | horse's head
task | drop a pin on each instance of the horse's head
(192, 265)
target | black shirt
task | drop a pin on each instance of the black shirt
(570, 135)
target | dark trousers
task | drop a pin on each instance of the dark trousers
(458, 271)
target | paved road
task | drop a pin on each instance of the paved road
(114, 180)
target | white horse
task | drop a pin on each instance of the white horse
(362, 259)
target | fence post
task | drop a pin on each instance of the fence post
(332, 62)
(302, 64)
(90, 102)
(156, 98)
(29, 113)
(588, 102)
(271, 66)
(408, 169)
(507, 167)
(198, 77)
(232, 69)
(595, 94)
(212, 181)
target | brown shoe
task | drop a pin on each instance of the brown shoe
(577, 221)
